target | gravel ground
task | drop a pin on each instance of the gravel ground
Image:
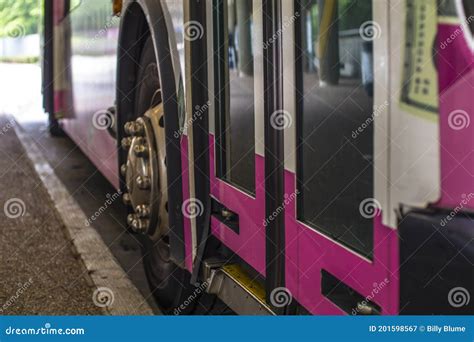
(90, 190)
(81, 178)
(39, 272)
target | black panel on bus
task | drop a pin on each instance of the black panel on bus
(436, 263)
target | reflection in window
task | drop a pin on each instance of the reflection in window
(334, 99)
(234, 91)
(469, 11)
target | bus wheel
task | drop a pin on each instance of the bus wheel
(146, 189)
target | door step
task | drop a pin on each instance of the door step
(232, 284)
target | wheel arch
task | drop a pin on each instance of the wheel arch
(140, 19)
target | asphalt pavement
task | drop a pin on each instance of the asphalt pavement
(39, 272)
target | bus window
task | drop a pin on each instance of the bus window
(334, 98)
(468, 11)
(234, 81)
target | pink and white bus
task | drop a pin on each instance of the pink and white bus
(284, 156)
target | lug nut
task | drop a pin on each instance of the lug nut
(126, 143)
(141, 150)
(131, 218)
(142, 210)
(139, 128)
(143, 182)
(140, 225)
(128, 127)
(126, 198)
(123, 169)
(134, 128)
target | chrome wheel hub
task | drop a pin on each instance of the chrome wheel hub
(145, 173)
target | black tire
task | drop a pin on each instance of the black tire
(169, 283)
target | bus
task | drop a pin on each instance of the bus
(284, 156)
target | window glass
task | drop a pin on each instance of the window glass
(446, 8)
(335, 110)
(469, 13)
(234, 63)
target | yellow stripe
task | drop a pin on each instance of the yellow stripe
(326, 22)
(251, 285)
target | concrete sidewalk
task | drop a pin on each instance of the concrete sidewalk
(49, 263)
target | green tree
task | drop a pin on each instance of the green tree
(19, 17)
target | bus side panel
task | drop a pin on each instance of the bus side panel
(89, 36)
(310, 253)
(60, 59)
(249, 243)
(456, 77)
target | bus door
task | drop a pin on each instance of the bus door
(236, 139)
(238, 91)
(337, 258)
